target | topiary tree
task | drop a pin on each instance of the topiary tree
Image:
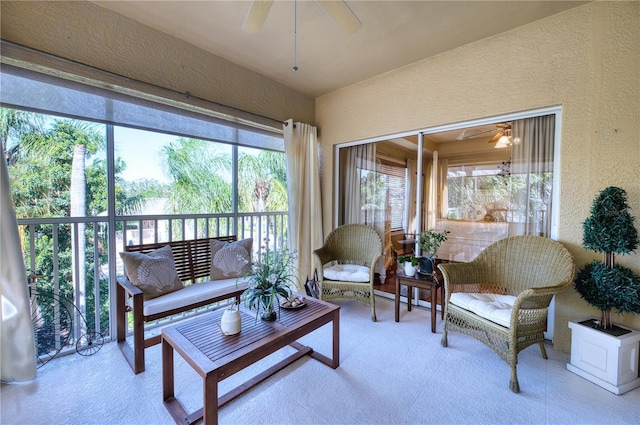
(609, 230)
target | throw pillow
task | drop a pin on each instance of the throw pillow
(230, 259)
(154, 273)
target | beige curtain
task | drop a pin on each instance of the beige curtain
(17, 348)
(442, 192)
(532, 159)
(305, 202)
(427, 205)
(412, 188)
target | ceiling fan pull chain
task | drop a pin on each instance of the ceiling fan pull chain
(295, 33)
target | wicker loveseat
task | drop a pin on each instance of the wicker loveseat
(350, 244)
(502, 297)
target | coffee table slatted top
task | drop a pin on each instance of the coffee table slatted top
(205, 335)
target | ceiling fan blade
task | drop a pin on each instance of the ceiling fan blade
(496, 136)
(340, 13)
(254, 21)
(471, 133)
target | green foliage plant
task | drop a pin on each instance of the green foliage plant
(272, 277)
(609, 230)
(409, 258)
(430, 240)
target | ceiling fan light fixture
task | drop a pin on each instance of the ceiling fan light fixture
(501, 144)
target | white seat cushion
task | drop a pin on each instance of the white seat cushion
(193, 293)
(494, 307)
(347, 273)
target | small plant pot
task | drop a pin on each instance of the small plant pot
(426, 266)
(409, 269)
(269, 316)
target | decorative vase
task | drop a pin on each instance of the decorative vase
(606, 360)
(409, 269)
(230, 324)
(426, 266)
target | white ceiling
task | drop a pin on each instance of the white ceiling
(392, 34)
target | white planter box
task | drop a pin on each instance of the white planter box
(606, 360)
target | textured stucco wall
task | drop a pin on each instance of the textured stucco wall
(587, 60)
(91, 35)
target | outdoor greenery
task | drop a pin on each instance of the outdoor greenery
(57, 168)
(430, 240)
(495, 197)
(609, 230)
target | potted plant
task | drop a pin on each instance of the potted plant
(429, 242)
(607, 286)
(410, 264)
(273, 277)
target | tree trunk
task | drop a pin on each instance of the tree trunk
(605, 318)
(77, 196)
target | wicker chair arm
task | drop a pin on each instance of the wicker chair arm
(461, 277)
(372, 268)
(324, 255)
(128, 286)
(534, 298)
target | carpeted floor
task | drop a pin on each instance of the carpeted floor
(389, 373)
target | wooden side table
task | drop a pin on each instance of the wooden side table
(432, 283)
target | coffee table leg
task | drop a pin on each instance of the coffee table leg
(336, 340)
(210, 408)
(167, 371)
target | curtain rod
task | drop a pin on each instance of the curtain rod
(123, 77)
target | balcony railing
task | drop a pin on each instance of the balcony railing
(73, 266)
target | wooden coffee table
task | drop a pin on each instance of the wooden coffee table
(216, 357)
(432, 283)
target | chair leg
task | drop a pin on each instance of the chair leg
(444, 342)
(138, 335)
(543, 350)
(513, 384)
(513, 363)
(373, 305)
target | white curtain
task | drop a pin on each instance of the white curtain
(17, 348)
(303, 187)
(357, 200)
(532, 160)
(364, 202)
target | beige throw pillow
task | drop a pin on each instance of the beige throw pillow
(230, 259)
(154, 273)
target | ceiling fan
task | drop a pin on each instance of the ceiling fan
(504, 129)
(338, 11)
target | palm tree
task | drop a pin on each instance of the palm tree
(262, 183)
(14, 123)
(201, 177)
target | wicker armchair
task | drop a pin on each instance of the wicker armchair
(350, 244)
(531, 268)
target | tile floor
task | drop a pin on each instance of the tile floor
(390, 373)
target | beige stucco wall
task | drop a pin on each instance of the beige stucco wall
(587, 60)
(91, 35)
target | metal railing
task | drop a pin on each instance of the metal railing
(71, 257)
